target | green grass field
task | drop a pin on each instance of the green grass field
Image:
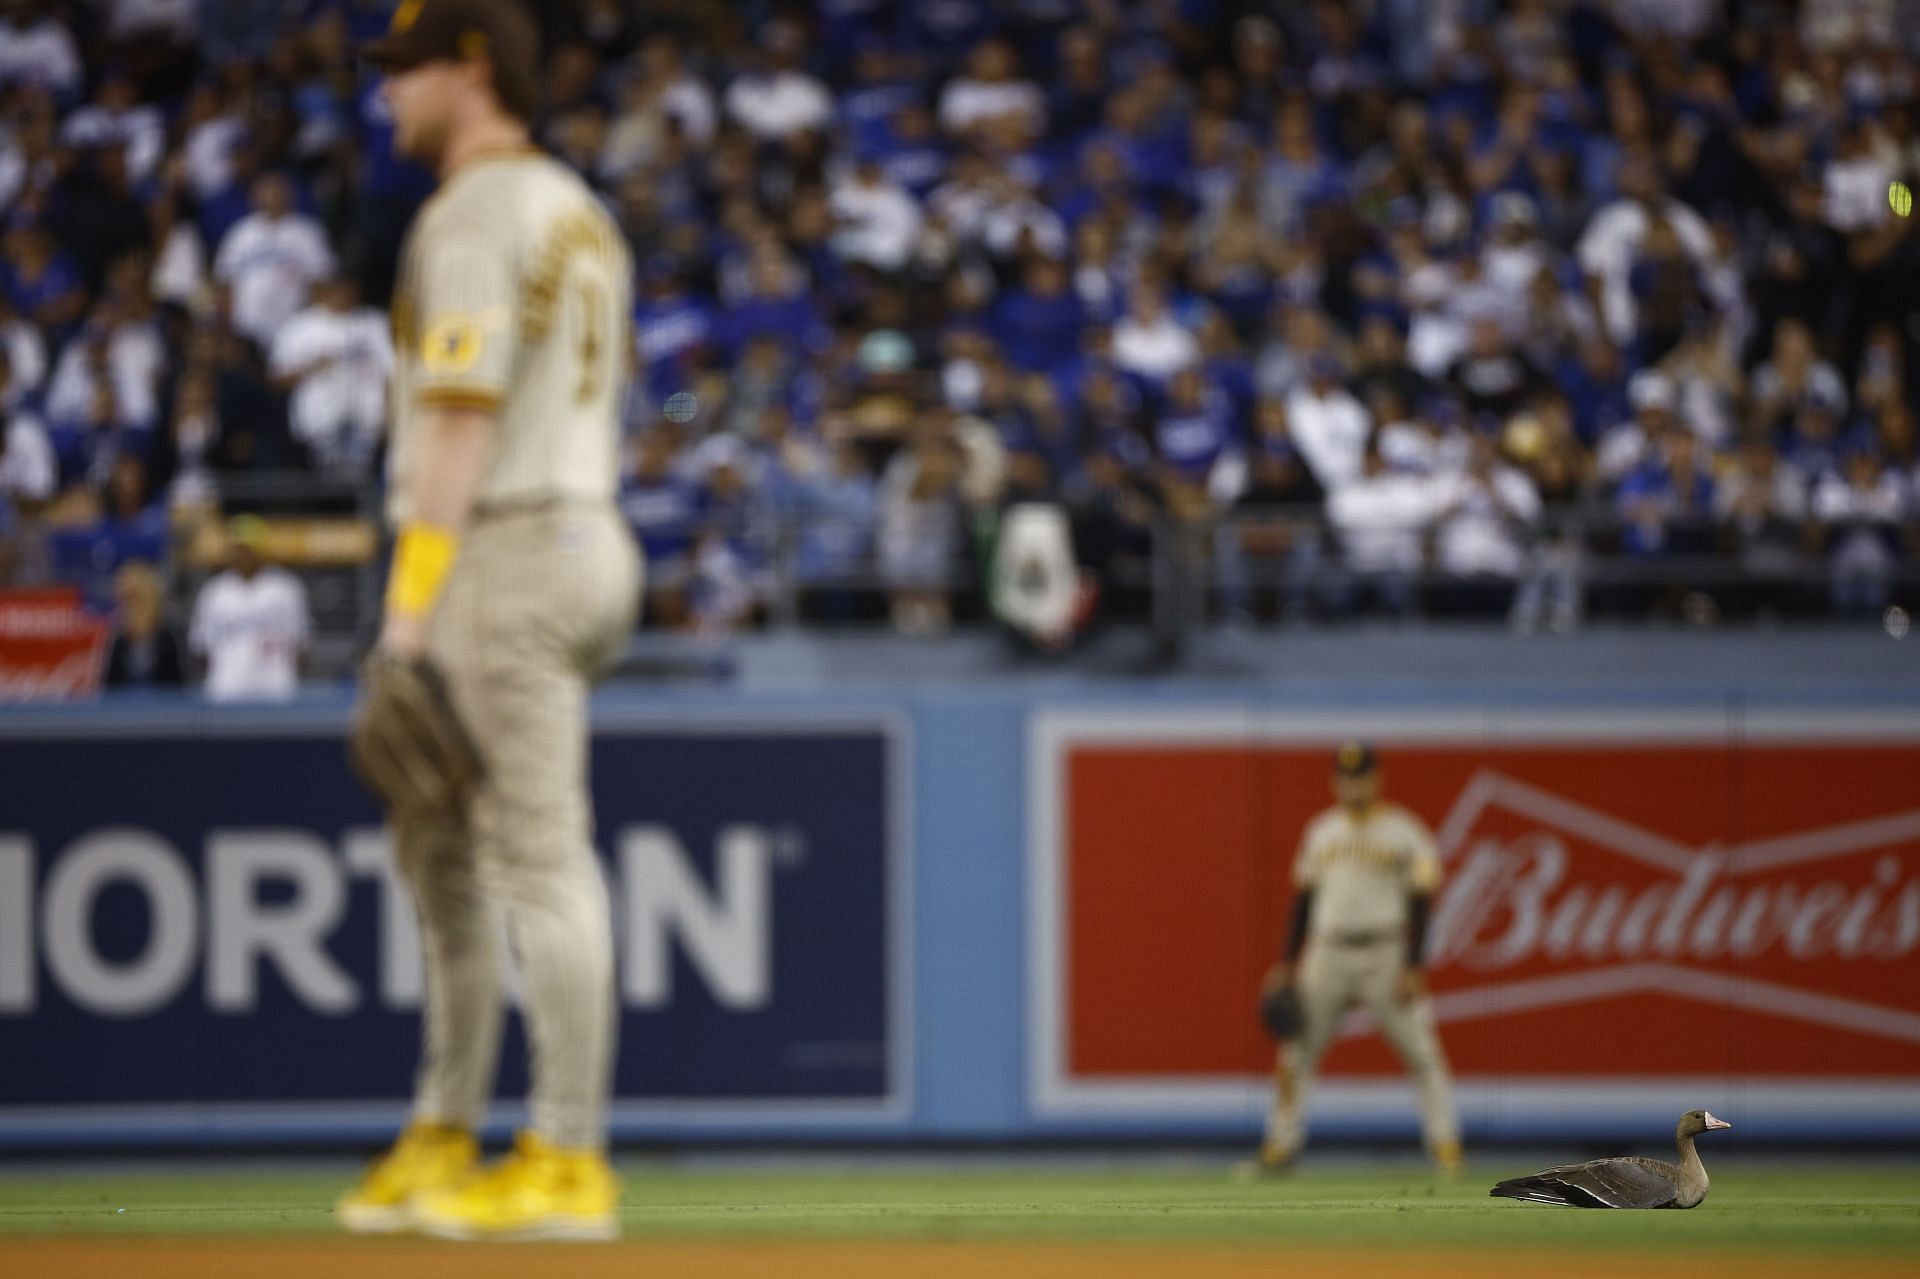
(1809, 1208)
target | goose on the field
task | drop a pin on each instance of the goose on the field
(1630, 1182)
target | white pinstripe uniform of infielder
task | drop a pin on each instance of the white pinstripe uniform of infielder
(1364, 877)
(513, 297)
(516, 580)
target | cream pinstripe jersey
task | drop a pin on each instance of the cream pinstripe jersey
(515, 297)
(1362, 872)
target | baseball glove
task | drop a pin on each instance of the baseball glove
(1280, 1012)
(408, 745)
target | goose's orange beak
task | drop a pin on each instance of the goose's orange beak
(1713, 1123)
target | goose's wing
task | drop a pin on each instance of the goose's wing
(1622, 1183)
(1541, 1188)
(1602, 1183)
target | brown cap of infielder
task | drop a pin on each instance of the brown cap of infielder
(500, 31)
(1354, 759)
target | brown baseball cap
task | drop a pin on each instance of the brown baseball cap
(1354, 759)
(499, 30)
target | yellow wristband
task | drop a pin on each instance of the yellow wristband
(421, 563)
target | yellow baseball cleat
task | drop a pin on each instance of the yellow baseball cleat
(537, 1192)
(1272, 1161)
(427, 1158)
(1447, 1158)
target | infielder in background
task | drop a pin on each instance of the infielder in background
(1364, 880)
(514, 581)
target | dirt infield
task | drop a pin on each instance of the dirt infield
(175, 1259)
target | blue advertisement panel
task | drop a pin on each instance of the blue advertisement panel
(208, 919)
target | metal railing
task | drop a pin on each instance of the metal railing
(1576, 553)
(1184, 575)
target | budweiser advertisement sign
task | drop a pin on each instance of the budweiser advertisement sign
(1633, 908)
(51, 649)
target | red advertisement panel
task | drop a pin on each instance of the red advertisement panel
(1615, 908)
(51, 649)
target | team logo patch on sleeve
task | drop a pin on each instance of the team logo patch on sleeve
(452, 344)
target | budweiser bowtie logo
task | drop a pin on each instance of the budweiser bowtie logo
(1549, 903)
(1638, 910)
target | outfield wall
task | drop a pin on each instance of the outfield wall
(998, 913)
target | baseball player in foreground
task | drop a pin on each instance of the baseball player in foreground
(514, 581)
(1364, 880)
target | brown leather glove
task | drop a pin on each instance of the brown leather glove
(408, 745)
(1280, 1011)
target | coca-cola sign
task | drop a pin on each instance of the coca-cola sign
(51, 649)
(1642, 900)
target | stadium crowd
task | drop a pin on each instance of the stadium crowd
(1404, 305)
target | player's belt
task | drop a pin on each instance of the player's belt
(1364, 937)
(538, 504)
